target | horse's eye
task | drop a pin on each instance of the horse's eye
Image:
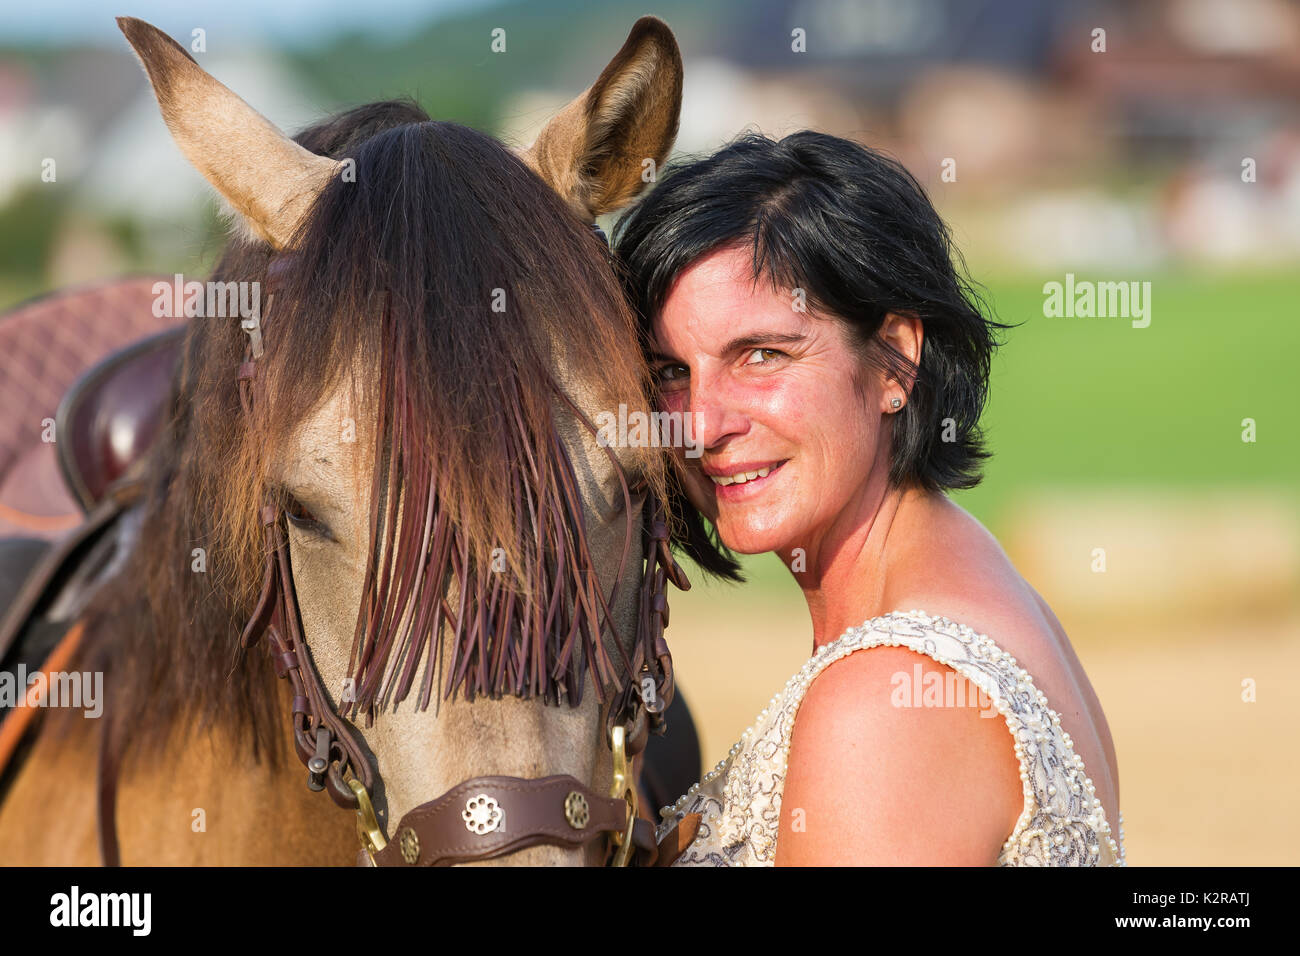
(301, 517)
(297, 511)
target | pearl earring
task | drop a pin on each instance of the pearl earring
(895, 403)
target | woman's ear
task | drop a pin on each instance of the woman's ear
(905, 335)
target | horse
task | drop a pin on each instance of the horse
(388, 479)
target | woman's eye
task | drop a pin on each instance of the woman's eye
(764, 356)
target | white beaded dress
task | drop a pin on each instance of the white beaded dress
(1062, 823)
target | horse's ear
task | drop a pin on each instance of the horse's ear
(605, 146)
(268, 178)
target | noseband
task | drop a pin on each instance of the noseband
(483, 817)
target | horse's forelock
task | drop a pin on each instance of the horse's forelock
(486, 279)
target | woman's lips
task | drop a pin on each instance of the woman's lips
(743, 490)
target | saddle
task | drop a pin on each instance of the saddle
(46, 346)
(104, 425)
(80, 350)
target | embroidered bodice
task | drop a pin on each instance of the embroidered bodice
(1062, 823)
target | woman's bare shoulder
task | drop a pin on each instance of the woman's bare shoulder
(949, 565)
(876, 778)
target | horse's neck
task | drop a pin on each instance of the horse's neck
(211, 800)
(213, 805)
(200, 801)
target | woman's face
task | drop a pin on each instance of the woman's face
(771, 390)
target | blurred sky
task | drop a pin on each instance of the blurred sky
(291, 22)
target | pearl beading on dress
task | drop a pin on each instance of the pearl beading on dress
(1057, 826)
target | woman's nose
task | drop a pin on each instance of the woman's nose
(715, 417)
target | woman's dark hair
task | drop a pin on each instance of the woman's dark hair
(854, 230)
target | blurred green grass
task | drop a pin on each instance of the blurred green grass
(1096, 401)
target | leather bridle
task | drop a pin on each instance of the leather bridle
(490, 816)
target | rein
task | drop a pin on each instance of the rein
(489, 816)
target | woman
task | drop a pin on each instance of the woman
(800, 301)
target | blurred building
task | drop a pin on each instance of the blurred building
(1063, 147)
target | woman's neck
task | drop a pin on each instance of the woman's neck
(844, 581)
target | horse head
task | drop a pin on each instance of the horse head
(397, 450)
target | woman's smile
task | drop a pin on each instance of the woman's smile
(742, 482)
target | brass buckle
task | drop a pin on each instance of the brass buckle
(622, 788)
(369, 832)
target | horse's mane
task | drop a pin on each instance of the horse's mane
(400, 265)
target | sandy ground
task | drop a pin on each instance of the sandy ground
(1205, 778)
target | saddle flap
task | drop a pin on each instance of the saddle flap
(111, 415)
